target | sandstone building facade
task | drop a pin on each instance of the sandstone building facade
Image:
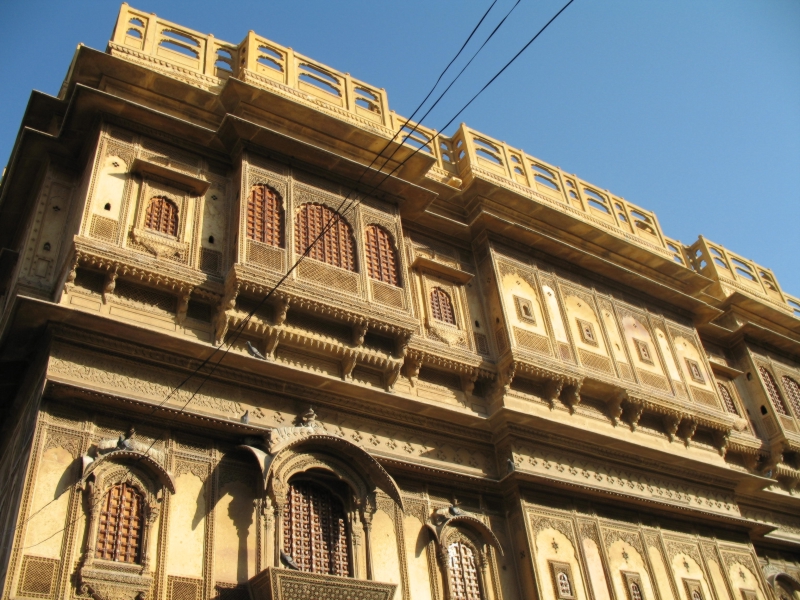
(489, 380)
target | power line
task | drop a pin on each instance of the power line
(338, 214)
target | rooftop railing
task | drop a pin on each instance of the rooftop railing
(208, 62)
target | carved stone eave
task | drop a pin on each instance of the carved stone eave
(128, 456)
(441, 520)
(307, 438)
(285, 584)
(162, 274)
(258, 283)
(465, 364)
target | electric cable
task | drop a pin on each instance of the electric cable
(338, 214)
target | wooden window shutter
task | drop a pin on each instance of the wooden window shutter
(119, 530)
(265, 216)
(162, 216)
(772, 390)
(327, 238)
(381, 257)
(462, 572)
(315, 530)
(442, 306)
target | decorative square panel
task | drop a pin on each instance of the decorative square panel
(644, 352)
(525, 310)
(587, 332)
(695, 370)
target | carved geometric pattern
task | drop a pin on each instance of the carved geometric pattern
(265, 216)
(38, 577)
(315, 531)
(381, 258)
(772, 390)
(210, 260)
(704, 396)
(481, 343)
(792, 389)
(264, 255)
(532, 341)
(183, 588)
(387, 294)
(103, 228)
(596, 361)
(633, 582)
(653, 380)
(727, 398)
(162, 216)
(462, 572)
(442, 306)
(120, 525)
(326, 236)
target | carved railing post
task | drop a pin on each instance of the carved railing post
(367, 512)
(109, 285)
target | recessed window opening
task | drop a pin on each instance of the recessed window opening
(320, 79)
(564, 588)
(596, 201)
(416, 138)
(763, 409)
(269, 58)
(211, 239)
(119, 531)
(162, 216)
(107, 206)
(137, 22)
(134, 33)
(477, 325)
(265, 216)
(335, 246)
(636, 593)
(179, 42)
(380, 255)
(442, 306)
(488, 151)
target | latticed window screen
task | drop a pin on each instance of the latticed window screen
(442, 306)
(772, 390)
(314, 530)
(162, 216)
(793, 393)
(636, 592)
(564, 587)
(119, 530)
(727, 398)
(462, 572)
(265, 216)
(335, 246)
(381, 257)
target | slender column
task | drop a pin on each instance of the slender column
(366, 522)
(278, 520)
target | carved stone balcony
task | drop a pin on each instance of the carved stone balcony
(283, 584)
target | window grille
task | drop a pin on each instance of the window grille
(564, 588)
(265, 216)
(335, 246)
(636, 592)
(792, 389)
(119, 530)
(162, 216)
(772, 390)
(462, 572)
(314, 530)
(442, 306)
(381, 257)
(727, 398)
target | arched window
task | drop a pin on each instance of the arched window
(636, 592)
(335, 246)
(162, 216)
(381, 257)
(462, 572)
(772, 390)
(315, 531)
(564, 587)
(730, 405)
(696, 595)
(265, 216)
(442, 306)
(119, 530)
(792, 389)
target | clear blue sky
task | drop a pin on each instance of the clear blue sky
(689, 108)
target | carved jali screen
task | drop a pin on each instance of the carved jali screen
(119, 529)
(462, 572)
(315, 531)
